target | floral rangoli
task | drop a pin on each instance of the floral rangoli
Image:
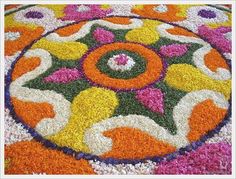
(118, 84)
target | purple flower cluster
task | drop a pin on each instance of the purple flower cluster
(207, 14)
(34, 15)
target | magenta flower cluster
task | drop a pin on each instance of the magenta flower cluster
(217, 37)
(151, 98)
(72, 12)
(122, 59)
(103, 36)
(63, 75)
(212, 158)
(174, 50)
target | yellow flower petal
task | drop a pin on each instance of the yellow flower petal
(57, 9)
(88, 107)
(10, 22)
(7, 163)
(105, 6)
(146, 34)
(188, 78)
(138, 6)
(63, 50)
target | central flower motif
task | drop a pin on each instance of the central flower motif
(109, 66)
(121, 62)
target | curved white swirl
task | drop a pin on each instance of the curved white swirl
(99, 144)
(85, 29)
(198, 55)
(61, 106)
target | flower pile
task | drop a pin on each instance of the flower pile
(117, 89)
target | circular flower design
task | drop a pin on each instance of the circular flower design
(196, 16)
(40, 16)
(120, 88)
(150, 75)
(121, 62)
(205, 14)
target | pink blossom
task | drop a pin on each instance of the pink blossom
(151, 98)
(63, 75)
(174, 50)
(216, 37)
(122, 59)
(72, 12)
(103, 36)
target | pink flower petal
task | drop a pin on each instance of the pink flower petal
(72, 12)
(216, 37)
(63, 75)
(151, 98)
(103, 36)
(174, 50)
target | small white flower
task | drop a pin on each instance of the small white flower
(228, 35)
(161, 8)
(123, 169)
(14, 132)
(121, 62)
(228, 56)
(12, 35)
(83, 8)
(9, 60)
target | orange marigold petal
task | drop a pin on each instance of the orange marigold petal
(205, 117)
(214, 60)
(67, 31)
(130, 143)
(30, 112)
(26, 37)
(11, 6)
(181, 31)
(25, 65)
(118, 20)
(170, 15)
(28, 157)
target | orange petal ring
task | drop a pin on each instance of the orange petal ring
(153, 69)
